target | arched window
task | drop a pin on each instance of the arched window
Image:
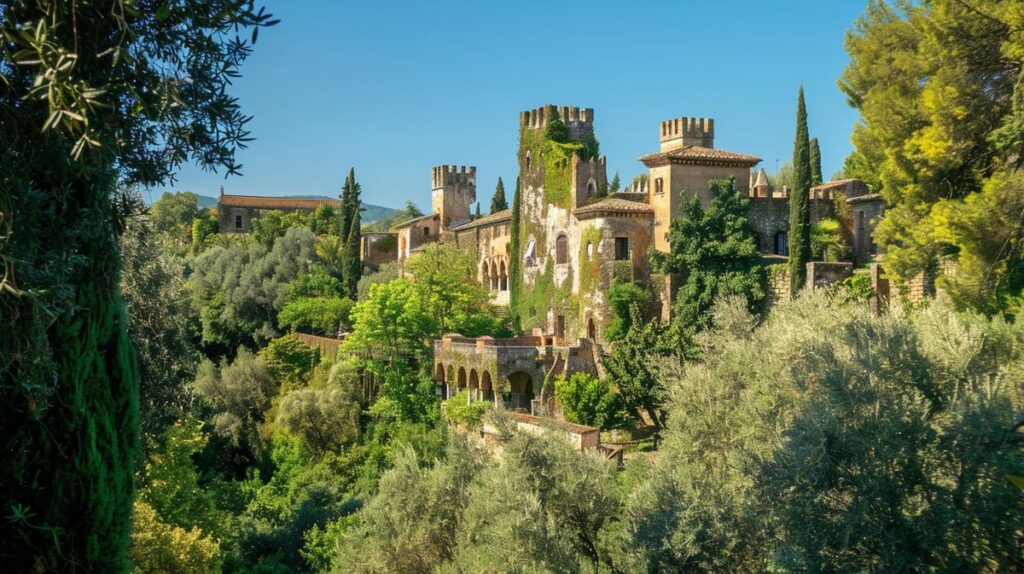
(527, 159)
(590, 249)
(485, 275)
(562, 250)
(530, 256)
(503, 277)
(591, 188)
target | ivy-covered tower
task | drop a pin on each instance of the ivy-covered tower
(560, 170)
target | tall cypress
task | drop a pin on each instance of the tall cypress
(498, 202)
(515, 279)
(353, 264)
(816, 177)
(346, 204)
(799, 210)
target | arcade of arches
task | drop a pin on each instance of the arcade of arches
(515, 392)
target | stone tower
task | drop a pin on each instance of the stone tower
(685, 132)
(453, 192)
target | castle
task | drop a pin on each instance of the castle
(575, 242)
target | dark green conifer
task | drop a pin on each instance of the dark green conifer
(498, 202)
(799, 211)
(816, 177)
(353, 264)
(514, 269)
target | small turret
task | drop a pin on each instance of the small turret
(760, 186)
(453, 191)
(684, 132)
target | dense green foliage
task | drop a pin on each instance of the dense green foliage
(799, 233)
(622, 297)
(815, 159)
(351, 233)
(469, 415)
(714, 254)
(515, 264)
(938, 88)
(90, 102)
(588, 400)
(827, 240)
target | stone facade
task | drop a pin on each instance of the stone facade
(574, 244)
(236, 212)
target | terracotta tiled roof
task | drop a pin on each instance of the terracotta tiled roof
(614, 206)
(700, 155)
(409, 222)
(275, 202)
(498, 217)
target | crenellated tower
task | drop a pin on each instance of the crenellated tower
(453, 192)
(685, 132)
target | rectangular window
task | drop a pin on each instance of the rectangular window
(560, 326)
(621, 248)
(659, 185)
(426, 232)
(238, 222)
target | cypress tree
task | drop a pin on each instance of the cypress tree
(799, 210)
(477, 216)
(346, 204)
(498, 202)
(816, 177)
(514, 271)
(353, 264)
(616, 184)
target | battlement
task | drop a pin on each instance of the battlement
(580, 121)
(442, 175)
(683, 132)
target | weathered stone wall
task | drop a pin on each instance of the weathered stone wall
(226, 218)
(769, 217)
(866, 212)
(489, 246)
(423, 231)
(377, 248)
(824, 273)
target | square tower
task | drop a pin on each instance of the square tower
(453, 191)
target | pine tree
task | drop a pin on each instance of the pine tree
(799, 210)
(498, 202)
(514, 270)
(816, 176)
(353, 264)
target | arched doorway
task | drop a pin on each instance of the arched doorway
(591, 329)
(485, 275)
(486, 388)
(474, 384)
(462, 378)
(495, 278)
(519, 391)
(503, 274)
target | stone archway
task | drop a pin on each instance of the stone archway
(495, 278)
(503, 274)
(486, 387)
(485, 274)
(462, 378)
(591, 329)
(519, 391)
(474, 384)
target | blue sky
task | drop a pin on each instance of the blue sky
(393, 88)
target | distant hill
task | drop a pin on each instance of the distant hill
(371, 213)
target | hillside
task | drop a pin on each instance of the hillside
(371, 213)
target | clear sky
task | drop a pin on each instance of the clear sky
(393, 88)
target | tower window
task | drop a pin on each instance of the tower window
(621, 248)
(561, 250)
(560, 326)
(426, 232)
(591, 188)
(781, 244)
(659, 185)
(238, 222)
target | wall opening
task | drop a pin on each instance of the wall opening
(621, 248)
(562, 250)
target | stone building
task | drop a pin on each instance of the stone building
(236, 212)
(575, 242)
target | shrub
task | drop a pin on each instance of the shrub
(588, 400)
(464, 413)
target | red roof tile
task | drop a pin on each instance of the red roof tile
(700, 155)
